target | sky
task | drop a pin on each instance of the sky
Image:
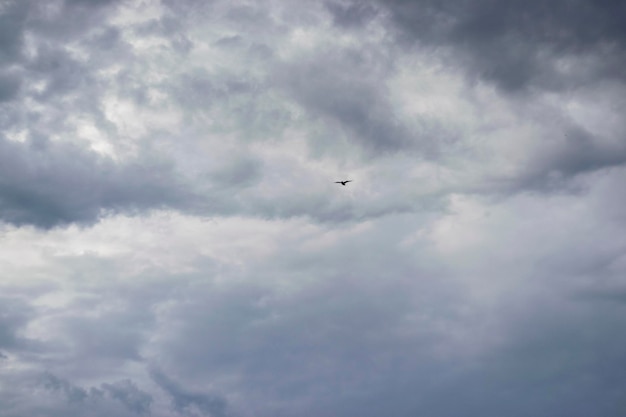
(173, 242)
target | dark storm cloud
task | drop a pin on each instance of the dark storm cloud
(516, 43)
(184, 400)
(48, 184)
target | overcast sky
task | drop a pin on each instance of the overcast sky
(172, 242)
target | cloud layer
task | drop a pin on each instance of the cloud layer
(172, 242)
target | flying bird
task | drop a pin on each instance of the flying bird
(343, 182)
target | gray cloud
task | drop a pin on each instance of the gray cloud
(477, 255)
(350, 14)
(9, 87)
(14, 315)
(12, 18)
(72, 393)
(114, 336)
(549, 358)
(345, 89)
(581, 152)
(90, 2)
(60, 72)
(241, 173)
(516, 44)
(49, 184)
(67, 20)
(108, 398)
(132, 397)
(319, 329)
(184, 400)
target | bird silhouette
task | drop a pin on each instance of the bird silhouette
(343, 182)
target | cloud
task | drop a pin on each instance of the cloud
(185, 400)
(12, 17)
(308, 324)
(9, 87)
(518, 45)
(173, 244)
(579, 153)
(107, 398)
(49, 184)
(14, 315)
(132, 397)
(351, 14)
(72, 393)
(340, 89)
(90, 2)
